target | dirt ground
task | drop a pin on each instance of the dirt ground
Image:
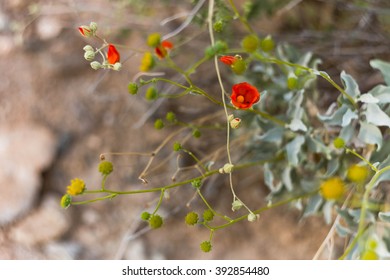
(57, 116)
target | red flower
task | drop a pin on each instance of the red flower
(228, 59)
(113, 55)
(244, 95)
(162, 49)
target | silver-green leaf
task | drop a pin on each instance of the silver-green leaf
(370, 134)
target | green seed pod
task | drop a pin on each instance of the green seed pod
(250, 43)
(197, 183)
(196, 133)
(89, 55)
(177, 146)
(218, 26)
(239, 66)
(292, 81)
(95, 65)
(267, 44)
(171, 117)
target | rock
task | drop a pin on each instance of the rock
(26, 150)
(44, 224)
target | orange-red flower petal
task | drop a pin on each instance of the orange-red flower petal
(162, 49)
(244, 95)
(113, 55)
(228, 59)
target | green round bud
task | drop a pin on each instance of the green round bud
(132, 88)
(158, 124)
(208, 215)
(267, 44)
(218, 26)
(220, 47)
(105, 167)
(250, 43)
(177, 146)
(236, 205)
(292, 82)
(145, 216)
(238, 66)
(191, 218)
(155, 221)
(205, 246)
(339, 143)
(93, 26)
(171, 117)
(154, 40)
(210, 52)
(66, 200)
(371, 244)
(151, 93)
(196, 133)
(117, 66)
(197, 183)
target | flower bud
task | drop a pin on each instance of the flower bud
(236, 205)
(208, 215)
(205, 246)
(88, 48)
(235, 123)
(192, 219)
(66, 200)
(95, 65)
(93, 26)
(154, 40)
(145, 216)
(89, 55)
(267, 44)
(155, 221)
(132, 88)
(171, 117)
(197, 183)
(250, 43)
(151, 93)
(239, 66)
(177, 146)
(292, 81)
(253, 217)
(218, 26)
(339, 143)
(158, 124)
(196, 133)
(117, 66)
(227, 168)
(86, 31)
(106, 167)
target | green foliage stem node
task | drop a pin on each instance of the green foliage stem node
(191, 218)
(197, 183)
(151, 93)
(66, 200)
(250, 43)
(159, 124)
(208, 215)
(132, 88)
(145, 216)
(205, 246)
(339, 143)
(106, 167)
(155, 221)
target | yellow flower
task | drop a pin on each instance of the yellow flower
(147, 62)
(357, 173)
(332, 188)
(77, 186)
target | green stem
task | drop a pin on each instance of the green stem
(362, 158)
(209, 206)
(159, 201)
(363, 211)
